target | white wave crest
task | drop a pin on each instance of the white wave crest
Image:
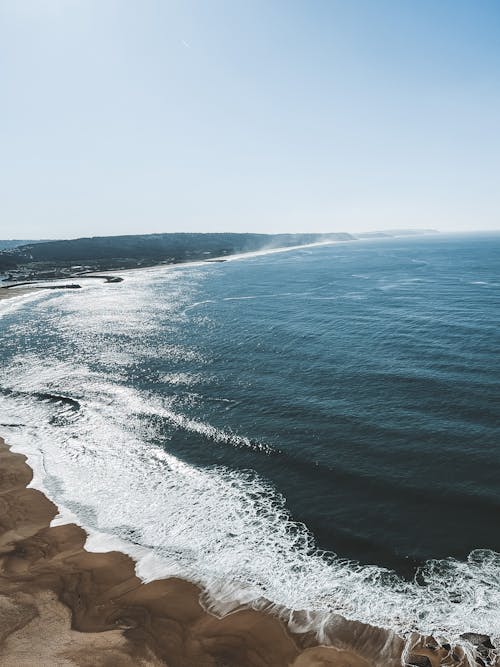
(227, 530)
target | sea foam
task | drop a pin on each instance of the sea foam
(107, 468)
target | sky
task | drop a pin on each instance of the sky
(141, 116)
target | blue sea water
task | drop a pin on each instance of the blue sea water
(316, 428)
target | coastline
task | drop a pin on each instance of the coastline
(51, 576)
(111, 275)
(61, 604)
(18, 292)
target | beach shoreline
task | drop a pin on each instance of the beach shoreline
(51, 585)
(6, 293)
(61, 604)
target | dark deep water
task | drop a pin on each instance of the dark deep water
(372, 372)
(362, 380)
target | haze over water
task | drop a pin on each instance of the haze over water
(205, 414)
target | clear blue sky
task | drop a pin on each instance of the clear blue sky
(121, 116)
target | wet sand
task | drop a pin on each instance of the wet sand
(6, 293)
(61, 605)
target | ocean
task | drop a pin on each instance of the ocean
(313, 431)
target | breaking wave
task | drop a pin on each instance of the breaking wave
(99, 449)
(226, 530)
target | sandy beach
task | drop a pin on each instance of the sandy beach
(61, 605)
(18, 291)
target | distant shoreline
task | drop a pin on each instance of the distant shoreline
(112, 277)
(64, 259)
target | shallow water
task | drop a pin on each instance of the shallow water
(227, 420)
